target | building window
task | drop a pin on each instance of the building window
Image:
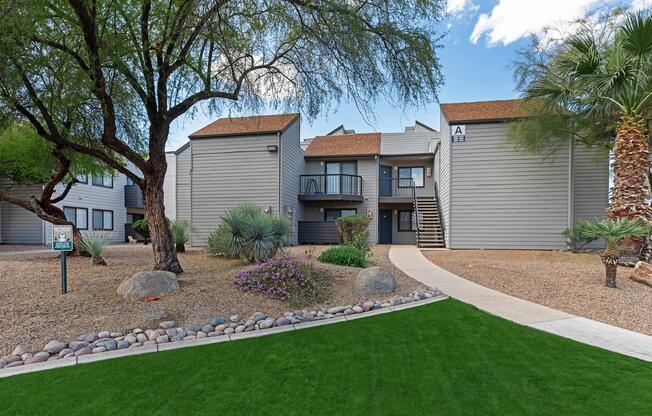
(102, 220)
(77, 216)
(333, 214)
(415, 173)
(406, 221)
(82, 178)
(104, 181)
(340, 177)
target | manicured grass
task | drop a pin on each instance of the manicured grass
(443, 358)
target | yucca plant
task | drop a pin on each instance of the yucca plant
(94, 244)
(262, 242)
(181, 231)
(614, 232)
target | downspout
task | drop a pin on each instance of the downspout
(280, 170)
(571, 180)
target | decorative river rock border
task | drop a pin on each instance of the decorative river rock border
(99, 342)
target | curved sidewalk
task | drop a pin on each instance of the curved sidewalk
(410, 260)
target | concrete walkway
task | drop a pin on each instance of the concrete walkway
(410, 260)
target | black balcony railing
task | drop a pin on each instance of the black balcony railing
(339, 186)
(396, 187)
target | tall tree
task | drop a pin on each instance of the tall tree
(148, 63)
(26, 159)
(594, 85)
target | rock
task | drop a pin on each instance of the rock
(166, 325)
(131, 339)
(259, 316)
(233, 325)
(336, 309)
(357, 309)
(109, 344)
(65, 351)
(374, 280)
(385, 305)
(218, 320)
(136, 345)
(141, 338)
(250, 323)
(77, 345)
(116, 334)
(20, 349)
(367, 306)
(54, 347)
(220, 328)
(193, 328)
(171, 332)
(239, 329)
(82, 351)
(229, 331)
(427, 295)
(104, 334)
(72, 354)
(27, 355)
(156, 282)
(215, 334)
(189, 337)
(207, 328)
(191, 333)
(151, 334)
(162, 339)
(642, 273)
(201, 334)
(39, 357)
(235, 318)
(137, 331)
(123, 344)
(282, 321)
(12, 358)
(98, 349)
(148, 343)
(14, 364)
(349, 312)
(266, 323)
(309, 317)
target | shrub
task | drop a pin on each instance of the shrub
(283, 278)
(345, 255)
(353, 230)
(142, 228)
(247, 232)
(94, 243)
(181, 231)
(576, 237)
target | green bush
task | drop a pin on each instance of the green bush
(142, 228)
(344, 255)
(247, 232)
(353, 230)
(576, 237)
(181, 231)
(94, 243)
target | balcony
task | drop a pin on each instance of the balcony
(396, 190)
(133, 197)
(332, 187)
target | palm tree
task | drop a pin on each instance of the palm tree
(614, 232)
(607, 75)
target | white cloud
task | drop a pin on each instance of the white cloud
(459, 6)
(641, 5)
(511, 20)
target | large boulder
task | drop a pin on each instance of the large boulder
(642, 273)
(375, 281)
(141, 284)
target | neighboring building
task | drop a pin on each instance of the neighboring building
(463, 187)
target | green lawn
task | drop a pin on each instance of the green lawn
(443, 358)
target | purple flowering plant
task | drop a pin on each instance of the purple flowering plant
(285, 278)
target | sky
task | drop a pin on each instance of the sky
(481, 44)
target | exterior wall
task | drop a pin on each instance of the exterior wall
(227, 172)
(444, 179)
(170, 186)
(183, 164)
(427, 163)
(400, 237)
(292, 166)
(408, 143)
(92, 197)
(503, 199)
(18, 225)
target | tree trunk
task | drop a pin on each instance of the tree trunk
(611, 267)
(181, 248)
(165, 254)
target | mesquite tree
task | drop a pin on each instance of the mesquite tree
(115, 72)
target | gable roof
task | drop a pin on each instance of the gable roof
(496, 110)
(236, 126)
(362, 144)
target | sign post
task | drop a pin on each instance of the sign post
(62, 242)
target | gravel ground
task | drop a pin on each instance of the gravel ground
(8, 248)
(33, 312)
(569, 282)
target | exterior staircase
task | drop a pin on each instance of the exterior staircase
(430, 233)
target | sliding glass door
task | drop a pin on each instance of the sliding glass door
(340, 177)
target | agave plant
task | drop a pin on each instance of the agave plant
(614, 232)
(94, 244)
(181, 231)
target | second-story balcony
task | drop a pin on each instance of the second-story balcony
(330, 187)
(396, 190)
(133, 197)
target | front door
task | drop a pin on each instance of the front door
(385, 187)
(385, 226)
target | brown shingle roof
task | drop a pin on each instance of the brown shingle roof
(364, 144)
(233, 126)
(483, 110)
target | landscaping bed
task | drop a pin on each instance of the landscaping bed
(573, 283)
(34, 312)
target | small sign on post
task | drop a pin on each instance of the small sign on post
(62, 242)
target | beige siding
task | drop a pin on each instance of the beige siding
(170, 186)
(18, 225)
(227, 172)
(504, 199)
(183, 184)
(292, 166)
(444, 182)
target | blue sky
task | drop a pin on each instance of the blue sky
(476, 58)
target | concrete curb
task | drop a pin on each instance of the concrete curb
(413, 263)
(108, 355)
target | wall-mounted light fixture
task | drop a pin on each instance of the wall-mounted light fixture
(272, 148)
(321, 163)
(428, 172)
(268, 210)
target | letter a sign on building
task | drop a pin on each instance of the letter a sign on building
(458, 133)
